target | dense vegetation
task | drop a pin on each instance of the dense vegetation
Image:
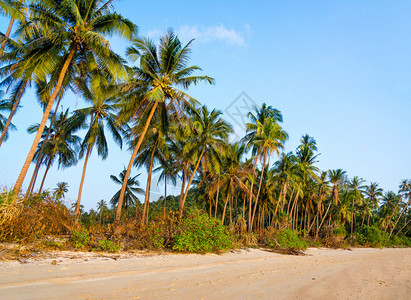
(247, 192)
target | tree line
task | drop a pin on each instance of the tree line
(142, 101)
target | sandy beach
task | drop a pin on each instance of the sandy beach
(243, 274)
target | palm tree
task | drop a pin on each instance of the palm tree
(133, 188)
(62, 143)
(356, 193)
(154, 151)
(101, 115)
(155, 82)
(405, 191)
(168, 173)
(373, 193)
(210, 132)
(5, 105)
(336, 178)
(14, 10)
(101, 207)
(75, 28)
(60, 190)
(270, 138)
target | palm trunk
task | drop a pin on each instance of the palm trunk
(130, 164)
(13, 110)
(325, 215)
(404, 209)
(165, 195)
(80, 190)
(259, 188)
(181, 208)
(403, 227)
(216, 198)
(225, 207)
(40, 158)
(250, 226)
(147, 197)
(352, 216)
(45, 174)
(3, 45)
(26, 165)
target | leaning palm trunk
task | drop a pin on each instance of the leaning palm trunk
(80, 190)
(399, 217)
(259, 190)
(225, 208)
(165, 195)
(147, 197)
(40, 157)
(130, 164)
(250, 226)
(22, 175)
(13, 110)
(45, 174)
(405, 225)
(6, 36)
(181, 206)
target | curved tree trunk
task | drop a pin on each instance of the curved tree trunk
(45, 174)
(216, 198)
(80, 190)
(130, 164)
(26, 165)
(181, 208)
(40, 157)
(165, 194)
(13, 110)
(259, 189)
(250, 206)
(225, 207)
(3, 45)
(399, 217)
(148, 188)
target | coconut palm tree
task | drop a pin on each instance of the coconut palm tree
(60, 190)
(373, 193)
(153, 152)
(356, 190)
(162, 70)
(62, 143)
(405, 191)
(101, 207)
(14, 10)
(100, 115)
(270, 138)
(5, 106)
(209, 133)
(75, 28)
(133, 188)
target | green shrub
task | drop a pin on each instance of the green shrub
(401, 241)
(108, 246)
(287, 239)
(80, 239)
(201, 234)
(371, 236)
(340, 232)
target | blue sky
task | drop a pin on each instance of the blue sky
(338, 70)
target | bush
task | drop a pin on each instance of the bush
(400, 241)
(108, 246)
(201, 234)
(80, 239)
(371, 236)
(287, 239)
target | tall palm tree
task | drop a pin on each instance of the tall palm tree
(270, 138)
(154, 151)
(336, 178)
(62, 143)
(162, 70)
(133, 188)
(373, 193)
(101, 207)
(100, 115)
(210, 132)
(405, 191)
(75, 28)
(356, 194)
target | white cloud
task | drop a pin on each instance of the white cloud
(212, 33)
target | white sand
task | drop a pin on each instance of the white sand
(245, 274)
